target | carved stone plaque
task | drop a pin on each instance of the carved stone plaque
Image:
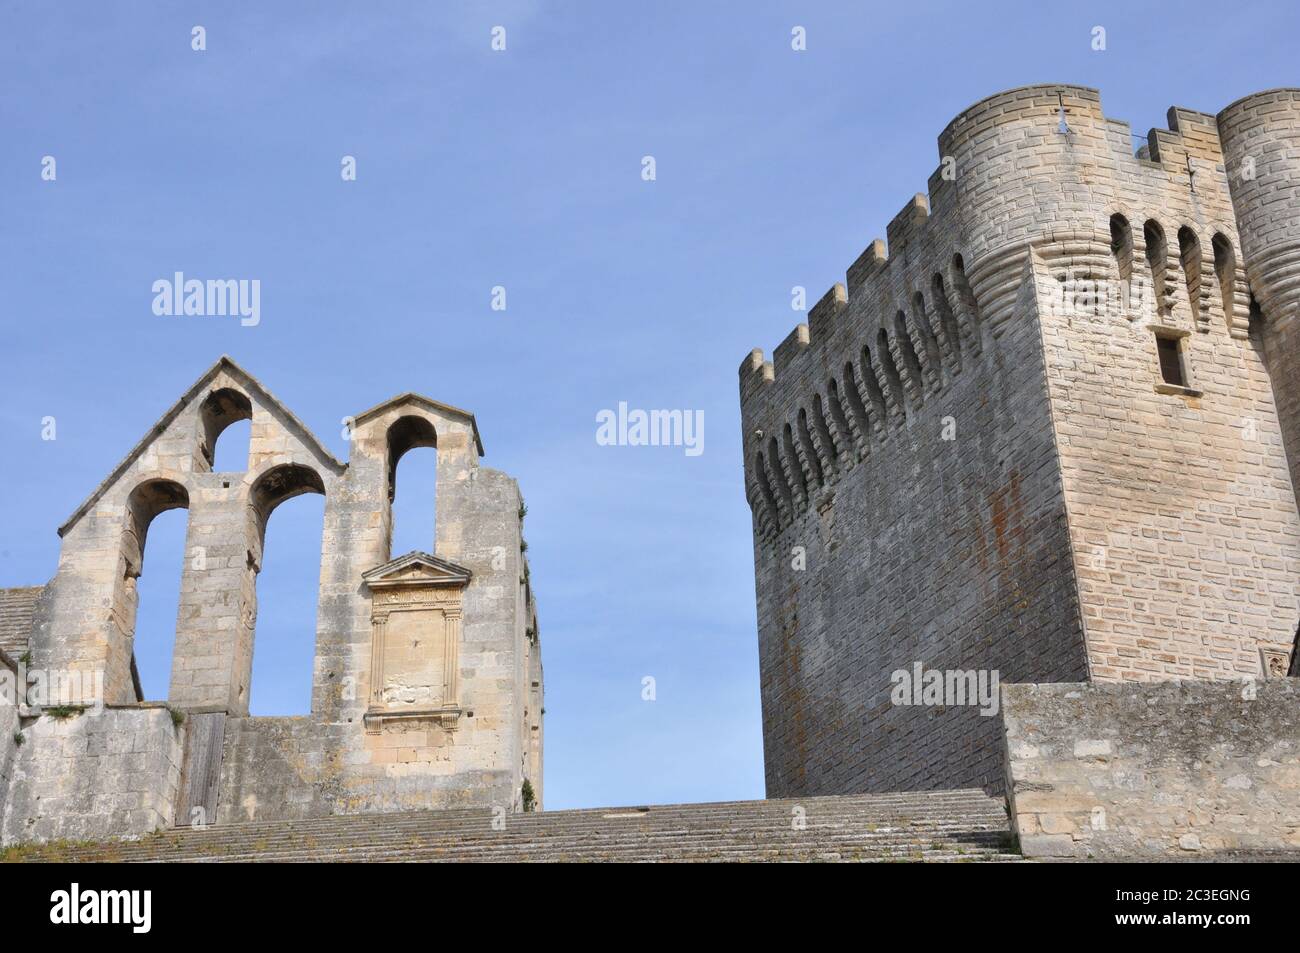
(416, 612)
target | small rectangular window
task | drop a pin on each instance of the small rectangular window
(1171, 361)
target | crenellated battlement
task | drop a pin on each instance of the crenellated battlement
(1000, 136)
(937, 292)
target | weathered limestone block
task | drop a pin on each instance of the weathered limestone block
(1167, 768)
(9, 732)
(90, 775)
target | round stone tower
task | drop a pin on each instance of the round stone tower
(1261, 155)
(1031, 165)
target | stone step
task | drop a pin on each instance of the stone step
(556, 820)
(522, 849)
(918, 802)
(552, 823)
(940, 826)
(628, 853)
(514, 829)
(415, 845)
(974, 831)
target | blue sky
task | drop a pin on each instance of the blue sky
(522, 169)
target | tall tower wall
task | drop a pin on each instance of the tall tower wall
(969, 458)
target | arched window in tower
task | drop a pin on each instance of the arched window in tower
(765, 489)
(777, 473)
(412, 465)
(836, 404)
(810, 448)
(1189, 254)
(791, 454)
(824, 432)
(947, 319)
(1121, 246)
(893, 379)
(929, 340)
(872, 383)
(1158, 262)
(1225, 270)
(910, 360)
(965, 293)
(856, 405)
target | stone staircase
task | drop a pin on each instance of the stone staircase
(921, 826)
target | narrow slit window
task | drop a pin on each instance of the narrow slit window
(1171, 361)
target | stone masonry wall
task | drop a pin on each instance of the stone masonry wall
(921, 544)
(296, 768)
(101, 774)
(1182, 515)
(1169, 768)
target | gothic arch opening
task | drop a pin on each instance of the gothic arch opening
(412, 455)
(911, 361)
(836, 405)
(856, 406)
(146, 608)
(1157, 261)
(965, 293)
(283, 587)
(894, 379)
(1189, 254)
(765, 488)
(777, 472)
(791, 454)
(1225, 270)
(1121, 246)
(947, 319)
(928, 338)
(810, 449)
(824, 432)
(225, 417)
(872, 384)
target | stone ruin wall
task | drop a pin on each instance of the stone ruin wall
(73, 776)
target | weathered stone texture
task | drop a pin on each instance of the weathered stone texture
(1085, 518)
(294, 768)
(1176, 767)
(17, 616)
(9, 730)
(94, 775)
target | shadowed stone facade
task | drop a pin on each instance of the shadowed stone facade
(439, 707)
(973, 457)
